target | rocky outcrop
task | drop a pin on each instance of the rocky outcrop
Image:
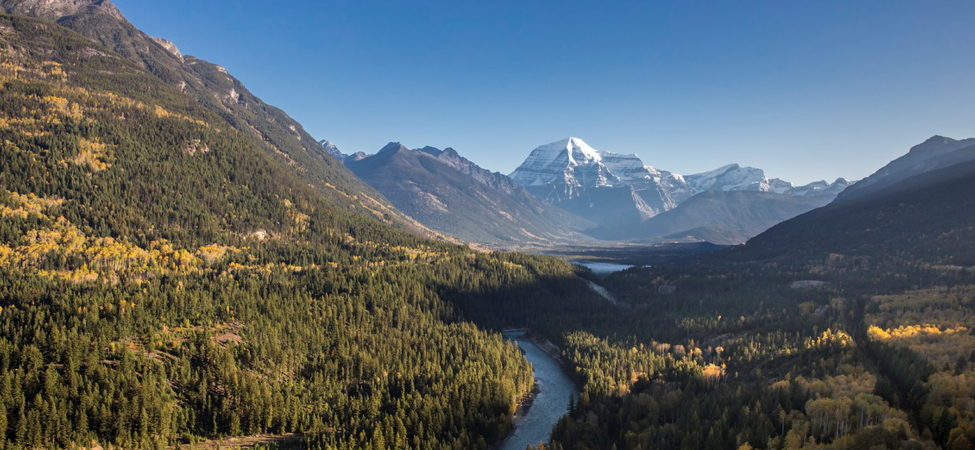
(169, 46)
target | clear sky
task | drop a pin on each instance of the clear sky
(804, 89)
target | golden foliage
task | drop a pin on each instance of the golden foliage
(22, 206)
(64, 107)
(935, 323)
(163, 113)
(830, 338)
(911, 331)
(59, 250)
(213, 253)
(92, 154)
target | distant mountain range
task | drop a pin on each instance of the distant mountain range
(632, 201)
(721, 217)
(569, 192)
(452, 195)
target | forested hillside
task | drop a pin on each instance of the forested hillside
(165, 279)
(216, 90)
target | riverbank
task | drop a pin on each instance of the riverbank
(549, 348)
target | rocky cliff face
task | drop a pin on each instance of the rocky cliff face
(170, 47)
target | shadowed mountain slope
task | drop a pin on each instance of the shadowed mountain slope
(920, 219)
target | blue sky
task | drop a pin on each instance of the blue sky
(806, 90)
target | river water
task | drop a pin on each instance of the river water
(603, 268)
(555, 388)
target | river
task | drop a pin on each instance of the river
(555, 388)
(603, 268)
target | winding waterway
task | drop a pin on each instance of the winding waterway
(555, 388)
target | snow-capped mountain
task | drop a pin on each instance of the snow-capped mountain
(822, 188)
(734, 178)
(332, 149)
(569, 172)
(618, 191)
(566, 169)
(576, 166)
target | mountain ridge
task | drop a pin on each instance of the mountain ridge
(865, 224)
(935, 153)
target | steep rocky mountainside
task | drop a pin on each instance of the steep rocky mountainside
(213, 87)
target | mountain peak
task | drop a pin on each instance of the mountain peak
(933, 143)
(579, 149)
(430, 150)
(575, 141)
(331, 148)
(392, 147)
(940, 138)
(937, 152)
(553, 161)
